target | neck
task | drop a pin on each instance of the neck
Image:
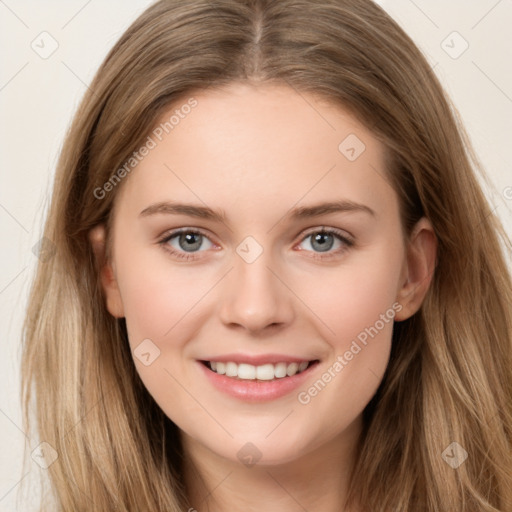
(316, 480)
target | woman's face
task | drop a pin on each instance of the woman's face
(291, 252)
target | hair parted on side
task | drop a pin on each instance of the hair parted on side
(450, 373)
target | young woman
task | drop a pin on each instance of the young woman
(277, 284)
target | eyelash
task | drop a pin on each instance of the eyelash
(348, 242)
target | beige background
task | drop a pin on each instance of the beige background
(39, 95)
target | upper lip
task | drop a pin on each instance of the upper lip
(257, 360)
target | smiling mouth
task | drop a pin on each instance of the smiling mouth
(264, 372)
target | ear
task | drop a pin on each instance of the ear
(114, 304)
(418, 270)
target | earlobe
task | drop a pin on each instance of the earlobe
(419, 269)
(113, 302)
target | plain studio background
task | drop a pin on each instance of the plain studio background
(49, 56)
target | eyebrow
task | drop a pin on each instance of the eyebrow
(302, 212)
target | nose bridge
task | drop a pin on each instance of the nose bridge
(254, 297)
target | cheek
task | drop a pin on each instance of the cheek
(157, 297)
(158, 305)
(357, 310)
(353, 296)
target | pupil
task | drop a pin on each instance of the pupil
(323, 245)
(188, 241)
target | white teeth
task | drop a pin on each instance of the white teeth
(264, 372)
(292, 369)
(246, 371)
(280, 370)
(231, 370)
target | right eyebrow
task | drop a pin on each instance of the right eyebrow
(167, 207)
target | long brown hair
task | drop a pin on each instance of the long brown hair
(449, 378)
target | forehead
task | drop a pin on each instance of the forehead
(260, 147)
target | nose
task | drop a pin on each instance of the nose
(255, 297)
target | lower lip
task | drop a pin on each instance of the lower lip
(257, 390)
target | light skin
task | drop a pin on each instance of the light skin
(256, 154)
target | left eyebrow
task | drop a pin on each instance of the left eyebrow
(305, 212)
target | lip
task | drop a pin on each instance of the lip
(257, 360)
(254, 390)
